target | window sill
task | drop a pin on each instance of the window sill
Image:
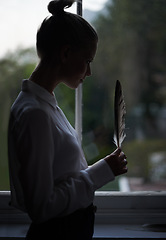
(119, 216)
(130, 207)
(102, 231)
(128, 231)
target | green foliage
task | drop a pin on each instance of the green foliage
(138, 155)
(13, 69)
(132, 49)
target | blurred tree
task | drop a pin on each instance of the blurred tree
(132, 44)
(132, 48)
(13, 68)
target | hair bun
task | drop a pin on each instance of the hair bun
(57, 6)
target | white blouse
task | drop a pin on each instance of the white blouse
(49, 174)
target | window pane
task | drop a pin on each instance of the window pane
(132, 48)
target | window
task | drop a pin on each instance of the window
(132, 49)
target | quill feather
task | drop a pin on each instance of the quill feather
(119, 115)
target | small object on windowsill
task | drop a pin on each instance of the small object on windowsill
(155, 227)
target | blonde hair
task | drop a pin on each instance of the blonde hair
(63, 28)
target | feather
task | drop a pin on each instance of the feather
(119, 115)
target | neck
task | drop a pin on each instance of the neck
(45, 76)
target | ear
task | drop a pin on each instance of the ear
(65, 53)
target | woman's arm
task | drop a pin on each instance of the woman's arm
(43, 198)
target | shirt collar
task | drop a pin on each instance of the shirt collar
(29, 86)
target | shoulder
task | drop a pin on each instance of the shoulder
(27, 108)
(23, 102)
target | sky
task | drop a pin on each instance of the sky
(20, 19)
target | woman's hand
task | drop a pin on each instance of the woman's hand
(117, 162)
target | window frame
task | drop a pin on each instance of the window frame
(78, 93)
(112, 208)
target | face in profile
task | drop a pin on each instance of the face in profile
(76, 64)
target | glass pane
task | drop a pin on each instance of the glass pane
(132, 49)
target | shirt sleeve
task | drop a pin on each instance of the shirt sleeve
(43, 198)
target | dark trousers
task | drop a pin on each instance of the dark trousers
(76, 226)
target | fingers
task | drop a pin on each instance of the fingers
(122, 168)
(122, 156)
(124, 163)
(117, 161)
(125, 170)
(117, 151)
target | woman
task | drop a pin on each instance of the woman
(50, 179)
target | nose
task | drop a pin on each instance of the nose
(89, 72)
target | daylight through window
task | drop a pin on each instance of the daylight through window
(132, 49)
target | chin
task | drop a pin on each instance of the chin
(74, 84)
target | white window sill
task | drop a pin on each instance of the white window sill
(128, 231)
(102, 231)
(119, 216)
